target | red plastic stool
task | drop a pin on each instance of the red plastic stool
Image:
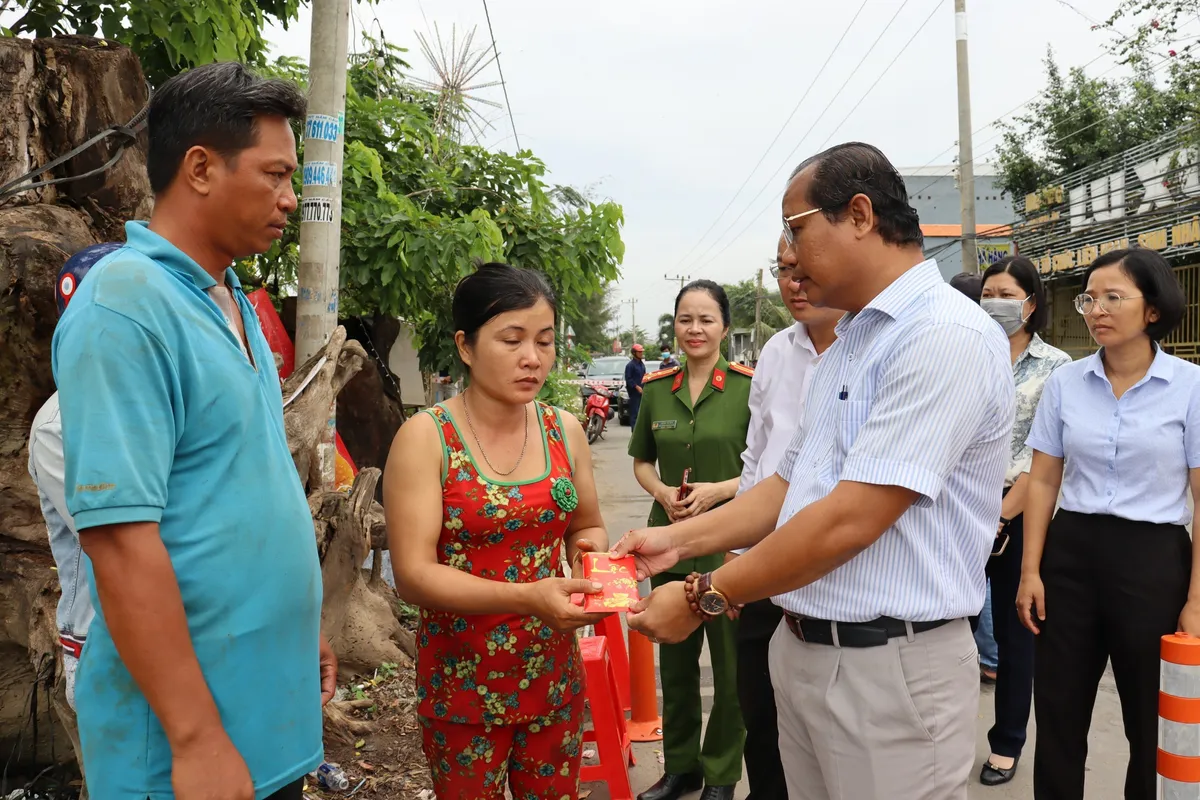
(608, 733)
(610, 628)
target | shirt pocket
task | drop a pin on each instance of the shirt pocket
(851, 416)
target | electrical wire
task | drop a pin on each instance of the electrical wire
(891, 63)
(937, 4)
(787, 159)
(983, 156)
(779, 133)
(503, 83)
(1153, 68)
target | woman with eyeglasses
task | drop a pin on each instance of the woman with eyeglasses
(1119, 434)
(1013, 296)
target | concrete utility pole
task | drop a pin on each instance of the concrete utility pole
(758, 298)
(321, 204)
(632, 303)
(681, 279)
(966, 156)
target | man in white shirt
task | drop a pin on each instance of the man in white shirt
(874, 532)
(777, 395)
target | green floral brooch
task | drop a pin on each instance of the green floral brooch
(563, 492)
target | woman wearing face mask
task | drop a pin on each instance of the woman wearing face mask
(695, 418)
(1118, 433)
(1014, 297)
(483, 493)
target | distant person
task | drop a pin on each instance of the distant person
(969, 283)
(668, 361)
(1116, 446)
(778, 395)
(205, 668)
(635, 371)
(1013, 295)
(75, 611)
(483, 493)
(696, 419)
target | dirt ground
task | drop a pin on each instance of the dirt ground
(387, 763)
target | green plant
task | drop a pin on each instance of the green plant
(418, 207)
(559, 392)
(168, 37)
(1079, 121)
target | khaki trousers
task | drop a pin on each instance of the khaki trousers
(895, 722)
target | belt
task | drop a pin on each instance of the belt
(875, 633)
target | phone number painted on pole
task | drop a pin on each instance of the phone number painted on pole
(322, 127)
(320, 173)
(316, 209)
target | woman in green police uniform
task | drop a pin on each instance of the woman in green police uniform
(695, 416)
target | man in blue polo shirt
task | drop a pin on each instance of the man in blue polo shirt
(205, 669)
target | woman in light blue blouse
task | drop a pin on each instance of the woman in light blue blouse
(1119, 434)
(1013, 295)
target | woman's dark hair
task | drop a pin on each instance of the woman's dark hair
(1155, 279)
(969, 284)
(217, 106)
(845, 170)
(1026, 276)
(715, 290)
(494, 289)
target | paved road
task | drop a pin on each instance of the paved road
(625, 506)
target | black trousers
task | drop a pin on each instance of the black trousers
(293, 791)
(764, 770)
(1014, 642)
(1114, 588)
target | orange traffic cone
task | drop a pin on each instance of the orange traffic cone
(1179, 717)
(645, 725)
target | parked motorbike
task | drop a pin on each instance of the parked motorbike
(598, 411)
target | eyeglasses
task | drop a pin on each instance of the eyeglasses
(781, 270)
(789, 235)
(1109, 303)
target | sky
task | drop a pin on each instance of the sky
(692, 115)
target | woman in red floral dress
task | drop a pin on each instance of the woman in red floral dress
(483, 493)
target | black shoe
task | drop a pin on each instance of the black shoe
(992, 775)
(672, 787)
(717, 793)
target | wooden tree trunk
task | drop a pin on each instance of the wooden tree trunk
(54, 95)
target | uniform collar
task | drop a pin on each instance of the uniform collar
(716, 380)
(139, 236)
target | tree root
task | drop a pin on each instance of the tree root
(340, 722)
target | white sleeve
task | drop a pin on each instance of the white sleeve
(756, 434)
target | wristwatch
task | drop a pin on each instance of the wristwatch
(711, 601)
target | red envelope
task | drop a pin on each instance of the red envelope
(618, 576)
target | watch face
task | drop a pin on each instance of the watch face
(713, 603)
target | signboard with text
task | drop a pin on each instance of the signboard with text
(1148, 196)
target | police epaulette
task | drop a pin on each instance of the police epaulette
(743, 369)
(662, 373)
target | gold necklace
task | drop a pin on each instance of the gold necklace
(479, 445)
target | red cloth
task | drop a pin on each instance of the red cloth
(499, 668)
(539, 758)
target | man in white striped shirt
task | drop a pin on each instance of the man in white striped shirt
(777, 396)
(874, 533)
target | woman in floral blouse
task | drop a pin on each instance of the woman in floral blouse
(1014, 297)
(483, 493)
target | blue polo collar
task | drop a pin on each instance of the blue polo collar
(139, 236)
